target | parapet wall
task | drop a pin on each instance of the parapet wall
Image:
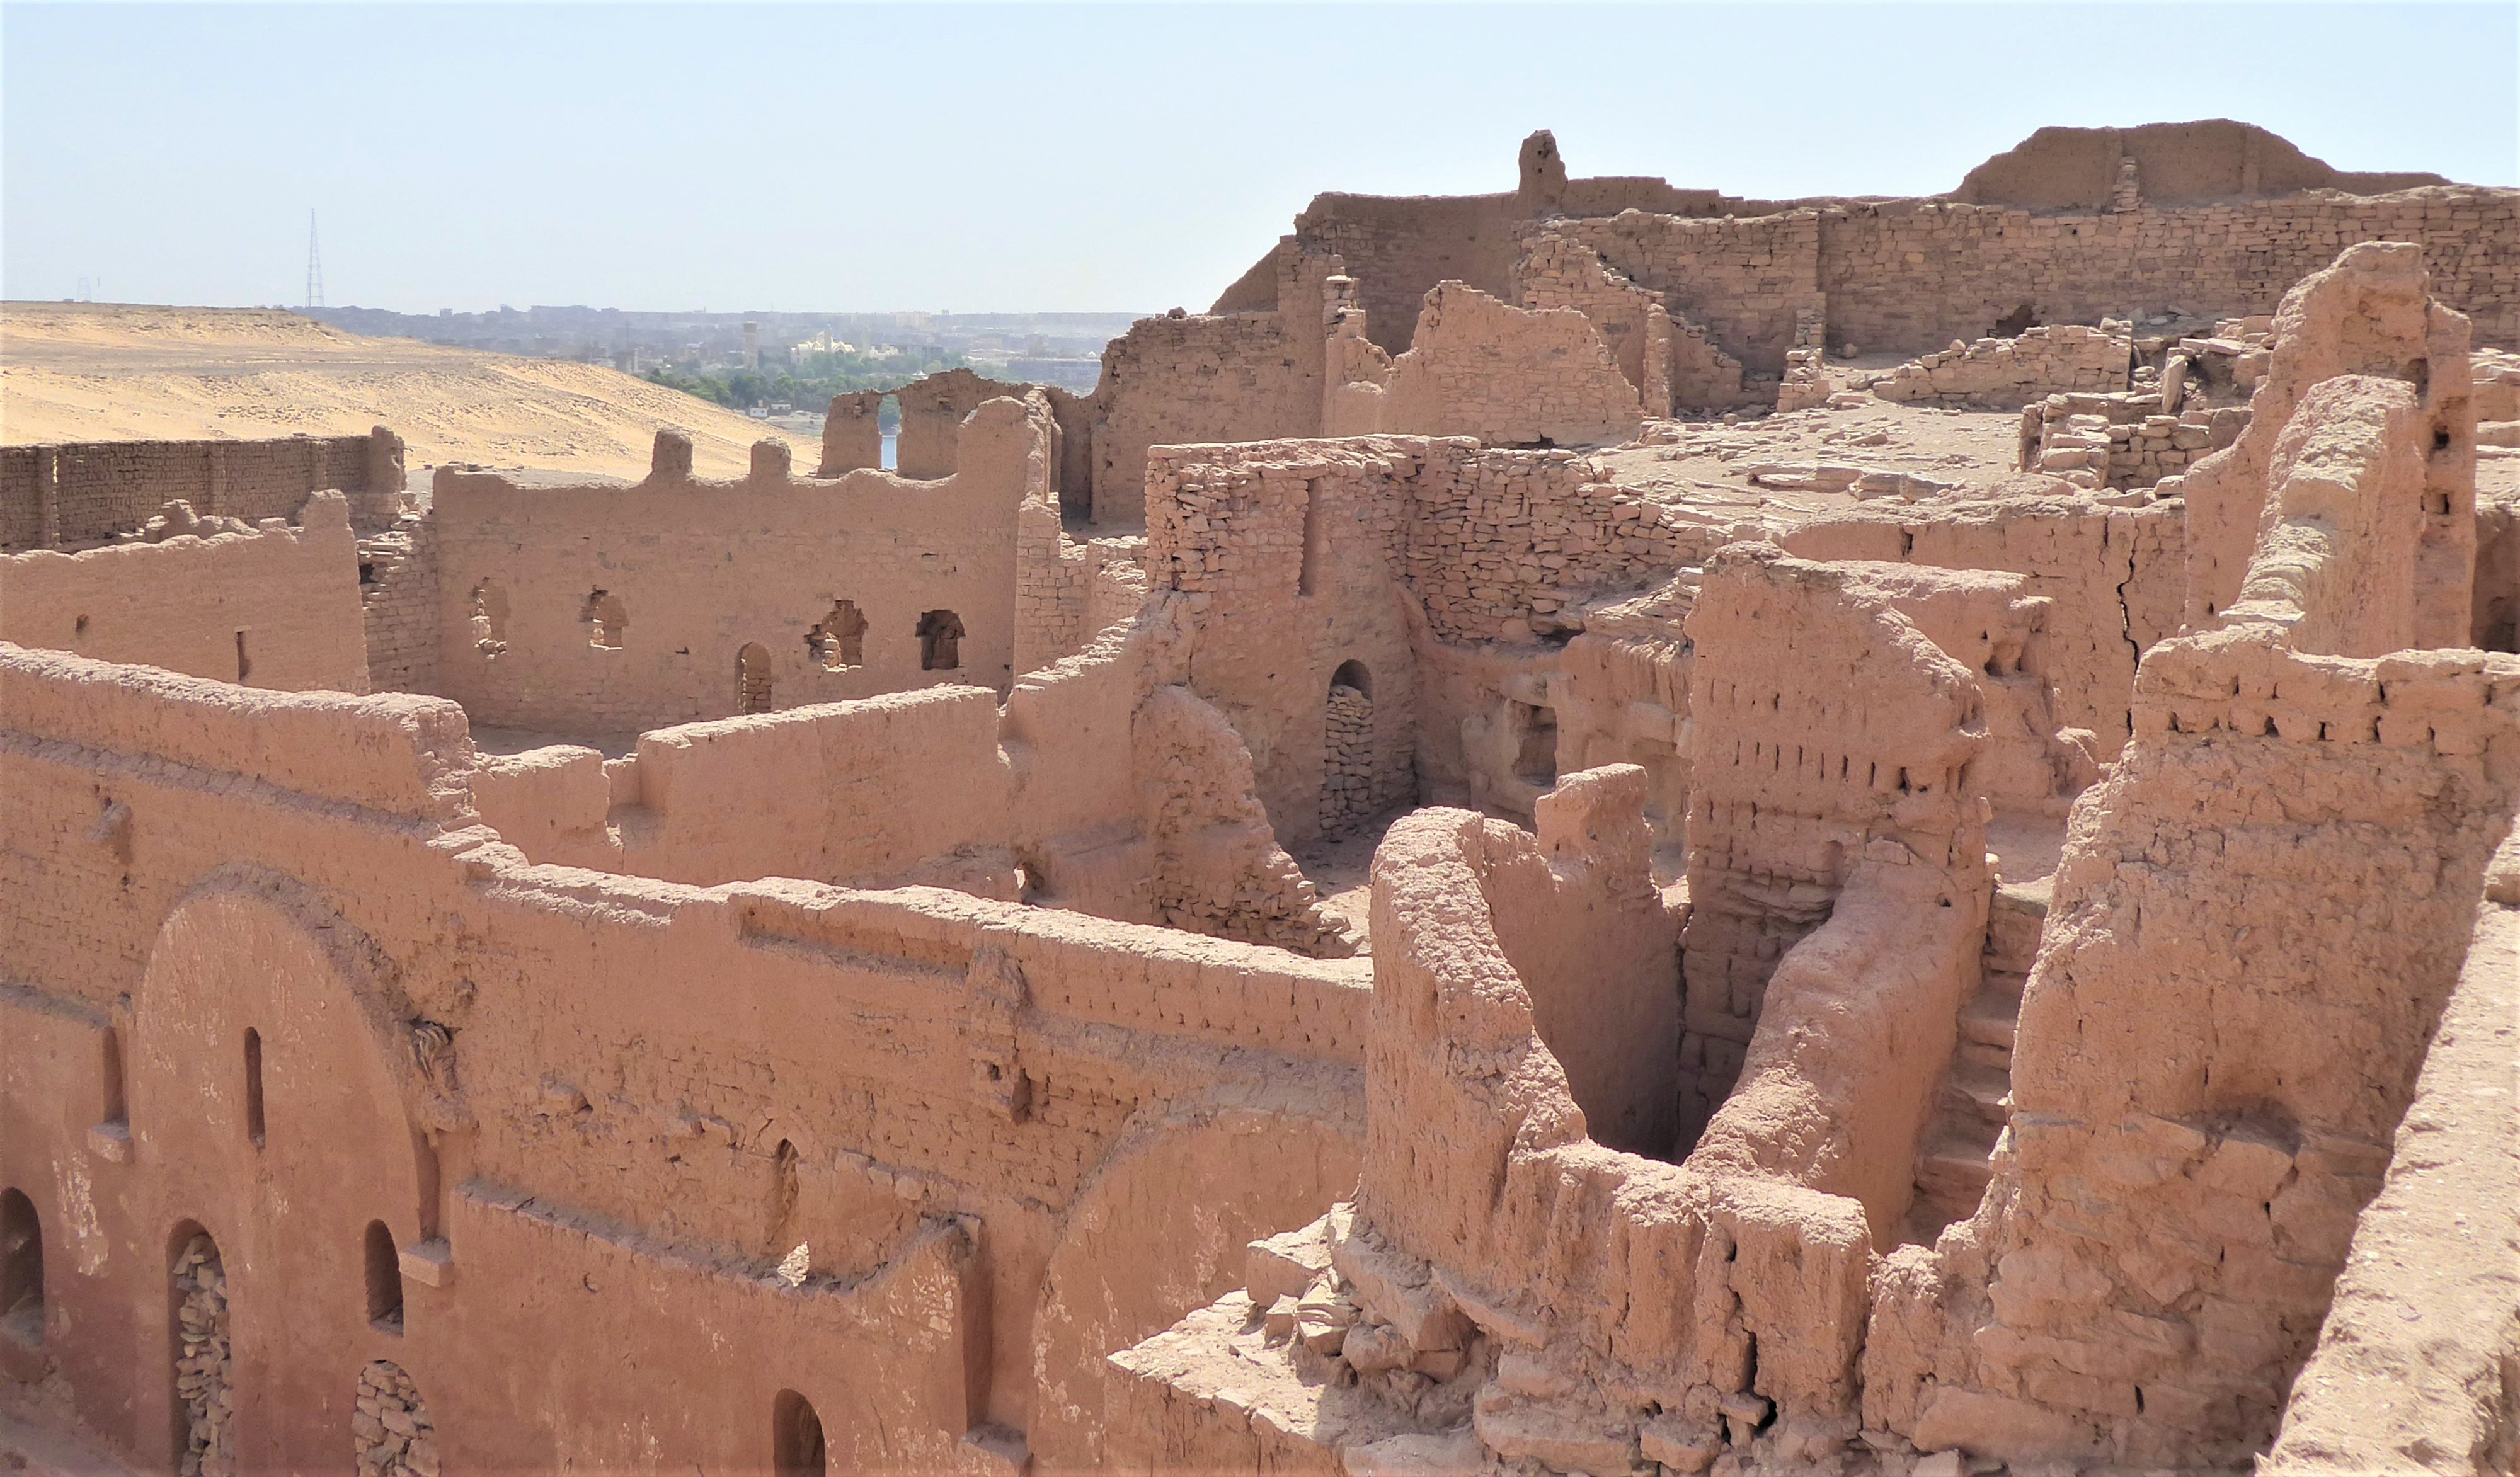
(1912, 276)
(269, 607)
(79, 493)
(907, 787)
(598, 611)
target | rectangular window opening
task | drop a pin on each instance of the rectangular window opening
(253, 1085)
(1310, 573)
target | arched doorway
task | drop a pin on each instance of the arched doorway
(752, 678)
(390, 1432)
(940, 641)
(204, 1363)
(21, 1271)
(796, 1448)
(1347, 751)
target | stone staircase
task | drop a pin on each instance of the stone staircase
(1954, 1152)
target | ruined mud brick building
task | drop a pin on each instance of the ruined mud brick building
(1938, 774)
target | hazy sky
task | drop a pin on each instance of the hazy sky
(1058, 157)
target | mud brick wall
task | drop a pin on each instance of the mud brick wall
(274, 607)
(1172, 381)
(83, 492)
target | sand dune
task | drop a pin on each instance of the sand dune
(101, 371)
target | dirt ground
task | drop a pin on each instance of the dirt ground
(1732, 475)
(107, 372)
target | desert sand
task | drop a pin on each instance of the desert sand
(98, 372)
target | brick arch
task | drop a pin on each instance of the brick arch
(248, 949)
(1158, 1230)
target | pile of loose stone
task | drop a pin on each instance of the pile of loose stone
(392, 1426)
(203, 1369)
(2123, 440)
(1431, 1372)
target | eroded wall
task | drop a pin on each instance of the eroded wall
(2224, 1024)
(268, 607)
(79, 493)
(850, 1132)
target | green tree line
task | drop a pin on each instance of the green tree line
(809, 385)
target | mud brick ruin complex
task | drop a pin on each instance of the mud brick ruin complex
(1938, 777)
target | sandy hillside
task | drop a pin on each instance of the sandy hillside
(99, 372)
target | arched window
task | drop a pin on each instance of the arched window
(940, 641)
(203, 1365)
(253, 1125)
(398, 1438)
(1353, 674)
(838, 640)
(752, 678)
(605, 617)
(796, 1437)
(384, 1279)
(22, 1270)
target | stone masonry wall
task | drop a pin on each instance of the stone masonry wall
(1555, 271)
(1179, 380)
(1909, 276)
(1347, 780)
(398, 601)
(2005, 374)
(1499, 542)
(1398, 248)
(2125, 439)
(390, 1430)
(1744, 280)
(1288, 557)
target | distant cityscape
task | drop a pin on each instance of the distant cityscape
(1063, 349)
